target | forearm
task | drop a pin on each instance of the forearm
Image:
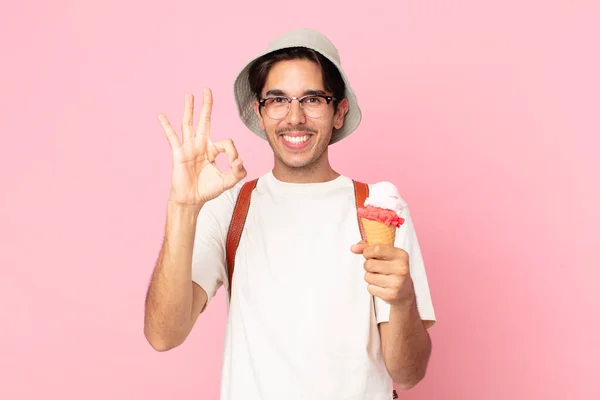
(169, 301)
(408, 345)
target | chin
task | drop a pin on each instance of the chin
(297, 162)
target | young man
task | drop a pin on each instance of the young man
(314, 313)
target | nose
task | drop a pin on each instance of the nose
(296, 115)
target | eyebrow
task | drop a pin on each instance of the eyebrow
(310, 92)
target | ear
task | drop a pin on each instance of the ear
(342, 110)
(260, 119)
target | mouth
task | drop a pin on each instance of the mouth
(296, 141)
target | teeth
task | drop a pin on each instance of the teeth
(296, 140)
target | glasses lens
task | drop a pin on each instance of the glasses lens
(277, 107)
(314, 106)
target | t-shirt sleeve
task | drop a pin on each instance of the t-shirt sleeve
(209, 266)
(406, 239)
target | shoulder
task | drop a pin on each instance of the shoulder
(222, 206)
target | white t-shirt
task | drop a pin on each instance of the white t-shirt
(301, 323)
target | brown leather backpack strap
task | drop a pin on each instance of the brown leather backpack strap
(236, 227)
(361, 192)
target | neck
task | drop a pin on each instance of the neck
(318, 172)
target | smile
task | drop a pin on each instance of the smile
(296, 139)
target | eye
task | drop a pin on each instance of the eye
(313, 100)
(279, 99)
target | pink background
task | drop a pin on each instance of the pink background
(484, 113)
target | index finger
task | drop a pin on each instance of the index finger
(381, 252)
(204, 119)
(228, 147)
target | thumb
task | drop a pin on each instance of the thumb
(358, 247)
(237, 173)
(238, 169)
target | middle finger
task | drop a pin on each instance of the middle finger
(187, 125)
(376, 266)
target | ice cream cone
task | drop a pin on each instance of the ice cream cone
(378, 233)
(380, 216)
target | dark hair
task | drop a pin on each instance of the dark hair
(332, 79)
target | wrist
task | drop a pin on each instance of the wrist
(405, 303)
(405, 310)
(183, 212)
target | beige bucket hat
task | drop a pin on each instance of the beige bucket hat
(311, 39)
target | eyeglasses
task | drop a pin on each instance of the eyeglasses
(314, 106)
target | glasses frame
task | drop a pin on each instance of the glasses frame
(300, 99)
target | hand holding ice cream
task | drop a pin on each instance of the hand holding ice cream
(387, 270)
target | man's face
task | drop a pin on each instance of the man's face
(298, 140)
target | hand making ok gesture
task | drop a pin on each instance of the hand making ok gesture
(195, 177)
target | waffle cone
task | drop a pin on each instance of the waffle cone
(378, 233)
